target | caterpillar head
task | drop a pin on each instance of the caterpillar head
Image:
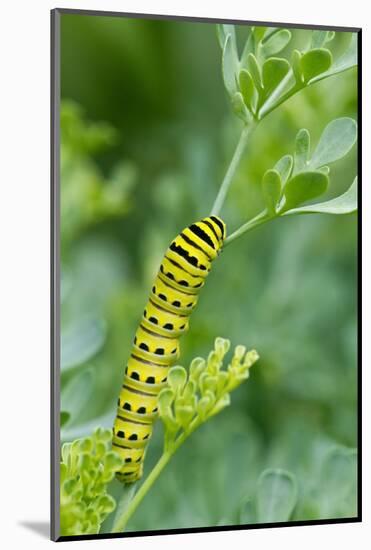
(219, 229)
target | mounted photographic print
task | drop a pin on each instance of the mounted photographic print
(204, 275)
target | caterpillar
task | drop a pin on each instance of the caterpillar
(174, 296)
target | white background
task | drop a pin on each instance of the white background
(24, 303)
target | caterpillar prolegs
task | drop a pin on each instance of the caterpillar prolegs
(174, 296)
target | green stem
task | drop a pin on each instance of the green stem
(248, 226)
(124, 510)
(241, 145)
(122, 519)
(266, 110)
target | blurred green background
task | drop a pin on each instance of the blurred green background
(146, 137)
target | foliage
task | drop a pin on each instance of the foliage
(87, 196)
(258, 82)
(87, 466)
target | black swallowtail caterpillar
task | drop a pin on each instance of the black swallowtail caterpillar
(174, 296)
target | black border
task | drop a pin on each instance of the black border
(55, 276)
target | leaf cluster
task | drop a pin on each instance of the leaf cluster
(87, 195)
(257, 81)
(87, 466)
(298, 178)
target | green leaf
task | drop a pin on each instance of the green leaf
(259, 33)
(81, 340)
(276, 42)
(339, 483)
(336, 140)
(330, 36)
(315, 62)
(302, 145)
(247, 47)
(223, 31)
(296, 66)
(284, 168)
(65, 416)
(230, 65)
(254, 70)
(271, 190)
(318, 39)
(247, 87)
(238, 106)
(324, 169)
(274, 70)
(345, 61)
(78, 392)
(303, 187)
(344, 204)
(276, 496)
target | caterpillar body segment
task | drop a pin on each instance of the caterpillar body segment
(174, 295)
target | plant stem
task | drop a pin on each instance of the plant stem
(248, 226)
(121, 520)
(124, 511)
(241, 145)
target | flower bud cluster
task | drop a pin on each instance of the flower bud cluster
(191, 399)
(87, 466)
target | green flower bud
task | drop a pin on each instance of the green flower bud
(196, 368)
(165, 399)
(239, 352)
(177, 378)
(189, 390)
(250, 358)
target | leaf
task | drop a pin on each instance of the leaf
(296, 66)
(65, 416)
(302, 145)
(284, 168)
(230, 65)
(238, 106)
(276, 496)
(84, 429)
(247, 47)
(223, 31)
(345, 61)
(276, 42)
(336, 140)
(344, 204)
(77, 393)
(274, 70)
(246, 87)
(259, 33)
(339, 482)
(315, 62)
(271, 189)
(253, 67)
(303, 187)
(318, 39)
(81, 341)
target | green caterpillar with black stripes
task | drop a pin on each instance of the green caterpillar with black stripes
(174, 296)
